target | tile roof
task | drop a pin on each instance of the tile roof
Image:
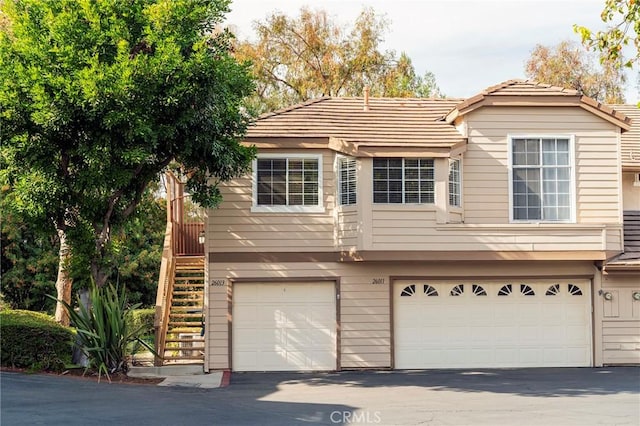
(344, 124)
(524, 92)
(630, 139)
(400, 122)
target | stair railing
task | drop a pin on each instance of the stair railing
(163, 295)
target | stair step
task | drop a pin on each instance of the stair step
(194, 285)
(190, 324)
(188, 309)
(191, 315)
(177, 358)
(200, 340)
(184, 292)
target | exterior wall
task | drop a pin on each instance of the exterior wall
(619, 319)
(233, 227)
(630, 193)
(482, 225)
(346, 228)
(486, 176)
(365, 313)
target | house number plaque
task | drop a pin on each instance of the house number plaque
(378, 281)
(218, 283)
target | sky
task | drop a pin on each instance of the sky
(468, 44)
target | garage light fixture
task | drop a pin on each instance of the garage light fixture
(636, 295)
(201, 237)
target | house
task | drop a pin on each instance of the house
(496, 231)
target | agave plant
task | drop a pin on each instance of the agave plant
(105, 329)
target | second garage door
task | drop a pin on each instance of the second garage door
(284, 326)
(491, 324)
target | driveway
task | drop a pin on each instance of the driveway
(562, 396)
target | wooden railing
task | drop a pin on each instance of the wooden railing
(163, 295)
(186, 239)
(181, 239)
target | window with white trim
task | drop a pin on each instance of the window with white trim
(541, 179)
(288, 182)
(454, 183)
(347, 183)
(403, 180)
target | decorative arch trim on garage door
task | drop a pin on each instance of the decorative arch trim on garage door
(492, 324)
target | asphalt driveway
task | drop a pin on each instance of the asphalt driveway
(555, 396)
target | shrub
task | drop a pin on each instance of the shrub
(105, 330)
(142, 319)
(33, 340)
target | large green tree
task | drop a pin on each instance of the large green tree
(97, 97)
(310, 55)
(568, 64)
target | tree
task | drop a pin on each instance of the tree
(623, 19)
(569, 65)
(98, 97)
(29, 257)
(310, 56)
(401, 81)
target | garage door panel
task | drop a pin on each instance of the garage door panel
(524, 327)
(284, 326)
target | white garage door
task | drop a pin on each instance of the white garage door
(491, 324)
(284, 326)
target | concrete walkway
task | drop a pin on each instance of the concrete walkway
(190, 376)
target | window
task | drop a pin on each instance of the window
(454, 183)
(527, 290)
(430, 290)
(409, 290)
(403, 180)
(541, 178)
(347, 181)
(291, 183)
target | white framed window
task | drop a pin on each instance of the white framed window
(541, 178)
(455, 183)
(347, 181)
(287, 183)
(403, 180)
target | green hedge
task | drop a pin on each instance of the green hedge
(144, 318)
(33, 340)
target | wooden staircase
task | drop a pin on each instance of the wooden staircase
(184, 339)
(179, 317)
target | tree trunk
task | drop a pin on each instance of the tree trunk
(63, 282)
(98, 274)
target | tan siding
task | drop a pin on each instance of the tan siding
(233, 227)
(630, 140)
(620, 321)
(365, 322)
(406, 235)
(596, 160)
(346, 229)
(631, 193)
(621, 342)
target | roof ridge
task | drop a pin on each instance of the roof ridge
(491, 89)
(395, 98)
(293, 107)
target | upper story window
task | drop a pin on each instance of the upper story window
(403, 180)
(455, 182)
(541, 179)
(347, 184)
(287, 183)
